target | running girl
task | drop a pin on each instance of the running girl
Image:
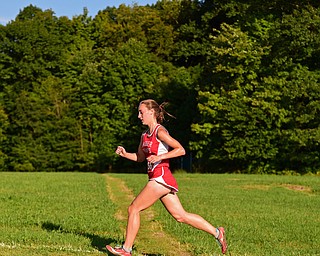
(157, 147)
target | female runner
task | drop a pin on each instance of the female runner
(157, 147)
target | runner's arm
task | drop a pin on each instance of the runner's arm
(137, 157)
(176, 151)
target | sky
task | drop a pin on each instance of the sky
(9, 9)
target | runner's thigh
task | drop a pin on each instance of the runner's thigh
(173, 205)
(149, 195)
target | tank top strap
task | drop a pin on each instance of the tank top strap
(156, 129)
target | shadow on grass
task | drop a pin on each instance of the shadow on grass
(97, 242)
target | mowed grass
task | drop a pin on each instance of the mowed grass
(55, 214)
(71, 213)
(262, 215)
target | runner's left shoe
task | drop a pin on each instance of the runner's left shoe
(118, 250)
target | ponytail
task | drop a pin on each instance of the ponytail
(159, 110)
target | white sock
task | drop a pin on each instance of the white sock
(127, 250)
(218, 233)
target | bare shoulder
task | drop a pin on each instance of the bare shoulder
(162, 129)
(164, 135)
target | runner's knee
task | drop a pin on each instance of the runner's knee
(181, 218)
(132, 209)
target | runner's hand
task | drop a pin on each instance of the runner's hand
(120, 151)
(153, 159)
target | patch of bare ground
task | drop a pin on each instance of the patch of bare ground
(151, 239)
(293, 187)
(256, 186)
(299, 188)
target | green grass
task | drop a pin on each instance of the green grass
(263, 215)
(70, 213)
(55, 214)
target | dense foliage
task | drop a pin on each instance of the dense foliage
(242, 78)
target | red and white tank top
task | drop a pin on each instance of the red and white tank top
(151, 145)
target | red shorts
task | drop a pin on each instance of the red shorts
(164, 176)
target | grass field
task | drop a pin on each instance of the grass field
(75, 214)
(55, 214)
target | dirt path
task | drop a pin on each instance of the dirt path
(151, 239)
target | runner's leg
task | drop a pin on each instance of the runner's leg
(147, 197)
(174, 207)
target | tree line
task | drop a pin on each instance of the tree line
(241, 77)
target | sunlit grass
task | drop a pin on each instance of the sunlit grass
(263, 215)
(59, 213)
(71, 214)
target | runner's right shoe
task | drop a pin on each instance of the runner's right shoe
(118, 250)
(221, 239)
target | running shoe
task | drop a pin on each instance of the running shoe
(221, 239)
(118, 250)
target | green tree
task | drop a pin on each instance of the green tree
(3, 137)
(47, 139)
(109, 84)
(114, 26)
(35, 47)
(129, 75)
(69, 89)
(295, 72)
(261, 114)
(233, 130)
(298, 137)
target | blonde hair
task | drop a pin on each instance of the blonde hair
(158, 109)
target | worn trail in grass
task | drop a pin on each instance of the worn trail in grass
(151, 239)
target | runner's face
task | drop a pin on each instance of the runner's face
(145, 115)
